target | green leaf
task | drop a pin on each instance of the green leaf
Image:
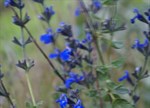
(111, 85)
(109, 2)
(102, 72)
(118, 63)
(121, 103)
(117, 44)
(92, 93)
(114, 44)
(121, 90)
(30, 105)
(108, 98)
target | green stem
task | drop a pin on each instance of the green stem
(140, 77)
(8, 97)
(24, 56)
(43, 53)
(30, 89)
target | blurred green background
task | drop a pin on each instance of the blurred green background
(43, 79)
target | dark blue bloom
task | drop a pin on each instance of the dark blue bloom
(77, 11)
(63, 55)
(19, 5)
(63, 101)
(143, 48)
(65, 30)
(47, 14)
(126, 76)
(47, 38)
(138, 16)
(73, 78)
(78, 104)
(96, 6)
(88, 38)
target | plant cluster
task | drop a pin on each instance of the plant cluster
(84, 69)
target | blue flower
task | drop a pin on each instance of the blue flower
(143, 48)
(96, 6)
(63, 101)
(73, 78)
(138, 16)
(47, 38)
(77, 11)
(19, 5)
(47, 14)
(78, 104)
(88, 38)
(63, 55)
(126, 76)
(65, 29)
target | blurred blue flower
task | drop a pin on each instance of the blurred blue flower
(77, 11)
(63, 101)
(78, 104)
(19, 5)
(47, 14)
(138, 16)
(88, 38)
(143, 48)
(65, 29)
(126, 76)
(96, 6)
(73, 78)
(47, 38)
(64, 55)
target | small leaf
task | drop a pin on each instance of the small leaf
(30, 105)
(108, 97)
(29, 40)
(122, 90)
(102, 72)
(121, 103)
(109, 2)
(117, 45)
(118, 63)
(16, 41)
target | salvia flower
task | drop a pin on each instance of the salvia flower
(88, 38)
(47, 37)
(96, 6)
(63, 101)
(126, 76)
(47, 14)
(77, 11)
(142, 47)
(138, 16)
(13, 3)
(63, 55)
(78, 104)
(65, 30)
(73, 78)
